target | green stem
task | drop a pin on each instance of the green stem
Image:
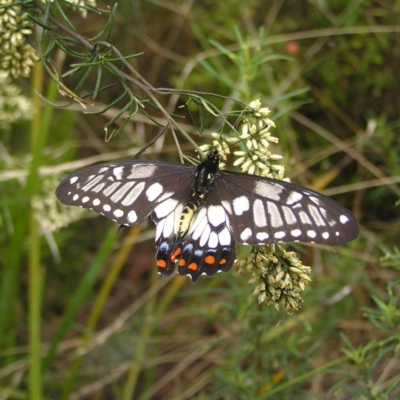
(35, 278)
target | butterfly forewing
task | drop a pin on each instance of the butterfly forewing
(127, 191)
(264, 210)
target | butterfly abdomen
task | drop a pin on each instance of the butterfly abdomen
(188, 212)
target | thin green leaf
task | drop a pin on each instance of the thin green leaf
(63, 16)
(212, 71)
(98, 81)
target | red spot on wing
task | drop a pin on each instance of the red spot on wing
(193, 266)
(182, 262)
(161, 263)
(222, 261)
(209, 260)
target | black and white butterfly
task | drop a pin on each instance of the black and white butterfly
(201, 212)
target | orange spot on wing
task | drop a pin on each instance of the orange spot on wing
(182, 262)
(193, 266)
(176, 254)
(209, 260)
(222, 261)
(161, 263)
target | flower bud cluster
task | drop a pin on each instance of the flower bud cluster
(16, 55)
(279, 276)
(256, 158)
(13, 105)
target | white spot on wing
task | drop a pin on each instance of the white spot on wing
(295, 232)
(106, 207)
(169, 225)
(224, 237)
(154, 191)
(216, 215)
(325, 235)
(132, 217)
(240, 205)
(246, 234)
(205, 235)
(213, 240)
(76, 197)
(73, 180)
(141, 171)
(165, 208)
(118, 213)
(118, 171)
(85, 199)
(304, 218)
(198, 224)
(274, 215)
(294, 197)
(262, 236)
(312, 234)
(96, 202)
(279, 235)
(343, 219)
(268, 189)
(260, 219)
(288, 215)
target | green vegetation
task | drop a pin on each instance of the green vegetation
(83, 313)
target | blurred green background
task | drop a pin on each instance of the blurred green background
(83, 313)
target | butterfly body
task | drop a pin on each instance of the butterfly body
(204, 178)
(201, 212)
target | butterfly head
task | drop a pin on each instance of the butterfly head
(214, 158)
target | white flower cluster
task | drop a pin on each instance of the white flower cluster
(16, 56)
(13, 105)
(257, 159)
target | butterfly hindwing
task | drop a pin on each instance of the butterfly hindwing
(208, 247)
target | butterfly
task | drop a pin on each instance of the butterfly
(202, 212)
